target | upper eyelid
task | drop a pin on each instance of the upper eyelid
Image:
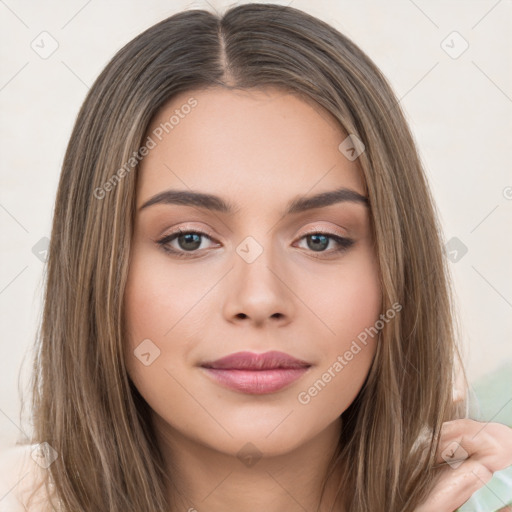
(190, 230)
(201, 232)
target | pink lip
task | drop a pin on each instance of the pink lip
(256, 382)
(251, 361)
(257, 373)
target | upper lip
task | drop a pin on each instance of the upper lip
(252, 361)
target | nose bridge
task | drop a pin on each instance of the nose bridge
(255, 262)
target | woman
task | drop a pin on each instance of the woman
(247, 303)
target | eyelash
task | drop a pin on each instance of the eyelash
(344, 243)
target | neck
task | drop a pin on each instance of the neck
(204, 478)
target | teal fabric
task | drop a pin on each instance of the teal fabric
(491, 400)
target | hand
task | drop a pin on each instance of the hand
(469, 453)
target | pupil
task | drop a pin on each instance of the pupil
(317, 243)
(189, 238)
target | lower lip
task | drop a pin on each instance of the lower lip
(257, 382)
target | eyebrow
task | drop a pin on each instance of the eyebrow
(216, 203)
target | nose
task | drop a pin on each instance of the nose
(258, 292)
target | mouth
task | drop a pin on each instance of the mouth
(256, 373)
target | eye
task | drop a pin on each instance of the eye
(189, 241)
(319, 241)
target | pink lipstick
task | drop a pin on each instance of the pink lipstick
(256, 374)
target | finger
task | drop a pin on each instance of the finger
(456, 486)
(489, 443)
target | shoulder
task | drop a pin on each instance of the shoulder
(22, 474)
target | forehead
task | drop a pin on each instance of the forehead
(245, 144)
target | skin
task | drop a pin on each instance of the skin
(308, 303)
(241, 146)
(482, 448)
(259, 150)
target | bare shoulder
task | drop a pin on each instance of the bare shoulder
(21, 475)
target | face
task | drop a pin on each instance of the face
(254, 269)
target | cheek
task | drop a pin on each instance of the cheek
(164, 311)
(153, 303)
(360, 305)
(351, 308)
(347, 304)
(158, 297)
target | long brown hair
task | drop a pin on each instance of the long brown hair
(84, 404)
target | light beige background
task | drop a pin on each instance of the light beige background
(460, 111)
